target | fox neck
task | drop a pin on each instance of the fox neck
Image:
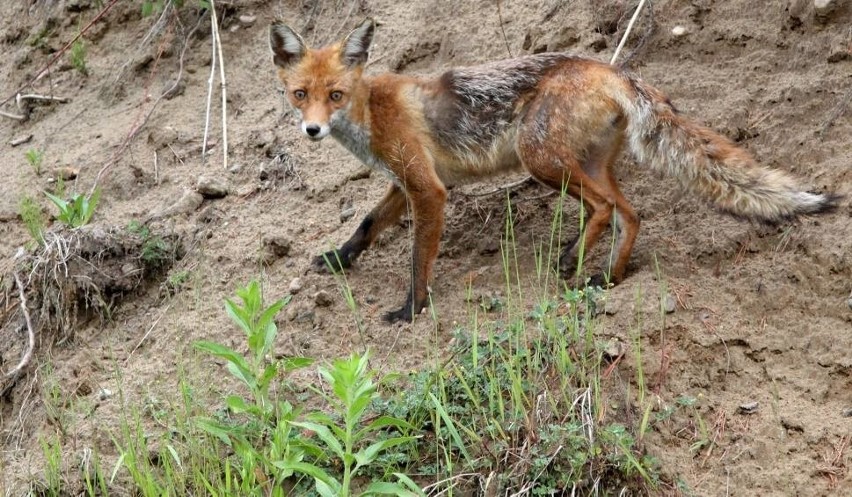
(350, 126)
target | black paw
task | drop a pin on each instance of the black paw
(332, 261)
(404, 314)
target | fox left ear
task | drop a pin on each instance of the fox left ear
(287, 46)
(356, 46)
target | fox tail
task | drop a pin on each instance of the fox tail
(710, 165)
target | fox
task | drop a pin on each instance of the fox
(562, 118)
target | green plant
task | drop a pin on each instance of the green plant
(35, 158)
(79, 211)
(33, 218)
(353, 390)
(77, 54)
(155, 249)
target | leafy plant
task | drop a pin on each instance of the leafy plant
(79, 211)
(155, 250)
(35, 158)
(353, 390)
(33, 218)
(77, 54)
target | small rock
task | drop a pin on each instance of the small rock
(823, 9)
(613, 349)
(849, 303)
(67, 173)
(347, 214)
(678, 31)
(189, 202)
(362, 173)
(277, 245)
(846, 413)
(748, 408)
(295, 286)
(21, 140)
(212, 187)
(323, 298)
(669, 304)
(104, 393)
(247, 19)
(162, 137)
(235, 168)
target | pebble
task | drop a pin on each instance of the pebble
(67, 173)
(212, 187)
(247, 19)
(323, 298)
(678, 31)
(669, 304)
(847, 413)
(347, 214)
(613, 349)
(295, 286)
(189, 202)
(21, 140)
(277, 245)
(849, 303)
(824, 8)
(104, 393)
(748, 408)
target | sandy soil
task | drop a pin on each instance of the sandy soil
(762, 314)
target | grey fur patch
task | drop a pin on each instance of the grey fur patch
(480, 102)
(356, 139)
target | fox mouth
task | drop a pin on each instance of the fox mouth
(315, 138)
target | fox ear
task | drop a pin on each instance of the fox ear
(287, 46)
(356, 46)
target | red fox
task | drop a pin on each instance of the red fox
(562, 118)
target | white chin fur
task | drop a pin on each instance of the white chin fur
(325, 130)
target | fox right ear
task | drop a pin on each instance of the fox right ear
(287, 46)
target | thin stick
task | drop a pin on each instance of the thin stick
(223, 82)
(209, 83)
(12, 116)
(156, 169)
(627, 31)
(34, 96)
(502, 29)
(501, 188)
(30, 333)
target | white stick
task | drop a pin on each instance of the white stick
(30, 333)
(209, 83)
(627, 31)
(218, 43)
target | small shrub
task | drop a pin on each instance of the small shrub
(78, 57)
(33, 218)
(35, 158)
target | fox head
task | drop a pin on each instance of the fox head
(320, 82)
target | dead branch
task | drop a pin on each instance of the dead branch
(627, 31)
(28, 354)
(13, 116)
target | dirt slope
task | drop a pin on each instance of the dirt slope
(763, 314)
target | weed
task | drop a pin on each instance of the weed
(33, 218)
(346, 440)
(155, 249)
(79, 211)
(35, 158)
(77, 54)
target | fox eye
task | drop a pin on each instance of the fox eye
(336, 96)
(300, 94)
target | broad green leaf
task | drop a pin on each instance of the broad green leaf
(387, 488)
(383, 422)
(325, 435)
(368, 454)
(409, 483)
(212, 427)
(294, 363)
(315, 472)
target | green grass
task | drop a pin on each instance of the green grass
(77, 56)
(78, 211)
(519, 401)
(35, 158)
(33, 218)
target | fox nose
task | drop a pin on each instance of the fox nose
(312, 129)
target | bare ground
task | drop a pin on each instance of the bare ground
(762, 314)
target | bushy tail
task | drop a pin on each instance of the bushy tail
(708, 164)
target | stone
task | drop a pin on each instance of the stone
(212, 187)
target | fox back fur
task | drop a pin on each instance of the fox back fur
(564, 119)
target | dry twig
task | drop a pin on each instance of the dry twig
(28, 354)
